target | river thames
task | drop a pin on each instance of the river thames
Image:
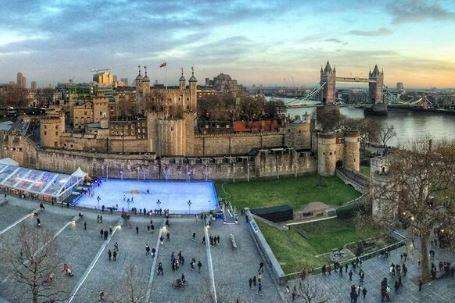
(409, 125)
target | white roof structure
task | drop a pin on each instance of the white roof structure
(79, 173)
(37, 181)
(9, 161)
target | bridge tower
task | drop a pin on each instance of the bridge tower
(376, 85)
(328, 81)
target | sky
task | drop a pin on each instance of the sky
(268, 42)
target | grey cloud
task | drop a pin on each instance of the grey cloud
(382, 31)
(418, 10)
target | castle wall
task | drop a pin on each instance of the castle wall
(266, 164)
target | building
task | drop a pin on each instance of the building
(33, 85)
(104, 77)
(223, 83)
(400, 86)
(21, 80)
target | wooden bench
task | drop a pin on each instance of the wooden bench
(232, 240)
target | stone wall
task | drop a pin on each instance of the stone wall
(267, 163)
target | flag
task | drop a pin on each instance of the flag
(163, 64)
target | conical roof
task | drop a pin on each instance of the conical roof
(182, 77)
(193, 78)
(327, 68)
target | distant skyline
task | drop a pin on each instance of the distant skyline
(266, 42)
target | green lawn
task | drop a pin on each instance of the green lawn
(329, 234)
(294, 252)
(295, 192)
(365, 170)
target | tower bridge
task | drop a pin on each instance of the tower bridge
(329, 78)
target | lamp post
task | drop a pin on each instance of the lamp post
(189, 207)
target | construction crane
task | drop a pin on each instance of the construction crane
(94, 70)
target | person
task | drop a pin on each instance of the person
(41, 205)
(250, 282)
(420, 285)
(364, 292)
(114, 255)
(192, 263)
(260, 288)
(85, 225)
(105, 234)
(161, 239)
(109, 254)
(116, 246)
(168, 236)
(261, 267)
(137, 230)
(194, 237)
(38, 222)
(350, 275)
(153, 252)
(101, 233)
(199, 265)
(160, 269)
(183, 279)
(147, 249)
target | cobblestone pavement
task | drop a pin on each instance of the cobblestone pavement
(335, 288)
(79, 248)
(233, 267)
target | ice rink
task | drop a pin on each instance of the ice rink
(172, 195)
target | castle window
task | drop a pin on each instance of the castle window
(330, 153)
(45, 133)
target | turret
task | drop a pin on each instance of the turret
(351, 159)
(193, 90)
(182, 81)
(328, 82)
(145, 82)
(138, 80)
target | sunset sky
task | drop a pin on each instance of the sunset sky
(262, 42)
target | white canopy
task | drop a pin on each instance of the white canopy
(79, 173)
(9, 161)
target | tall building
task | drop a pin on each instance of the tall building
(104, 77)
(21, 81)
(400, 86)
(33, 85)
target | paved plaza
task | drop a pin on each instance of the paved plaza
(86, 252)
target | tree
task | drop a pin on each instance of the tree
(309, 292)
(386, 134)
(414, 191)
(131, 288)
(328, 117)
(368, 129)
(35, 265)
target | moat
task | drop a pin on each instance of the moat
(409, 125)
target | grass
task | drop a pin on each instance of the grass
(294, 252)
(365, 170)
(295, 192)
(330, 234)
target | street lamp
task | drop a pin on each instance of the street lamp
(189, 206)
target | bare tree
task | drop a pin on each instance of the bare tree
(413, 190)
(35, 265)
(386, 134)
(132, 290)
(309, 292)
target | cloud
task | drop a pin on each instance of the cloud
(418, 10)
(336, 41)
(382, 31)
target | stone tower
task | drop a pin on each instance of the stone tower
(328, 81)
(138, 80)
(327, 154)
(193, 91)
(376, 85)
(145, 82)
(182, 82)
(351, 159)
